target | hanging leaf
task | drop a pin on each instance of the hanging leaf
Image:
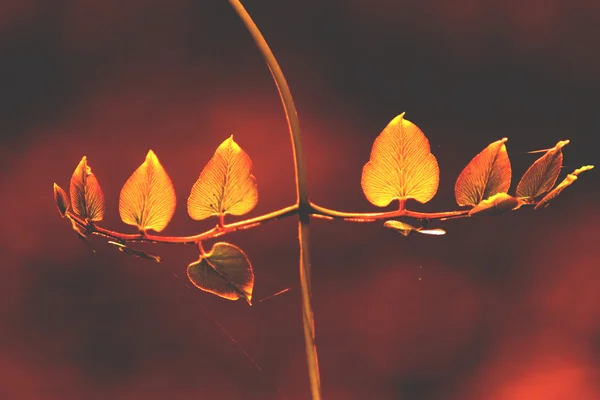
(487, 174)
(224, 271)
(87, 199)
(405, 229)
(497, 204)
(148, 198)
(62, 202)
(225, 185)
(135, 253)
(401, 166)
(572, 177)
(542, 174)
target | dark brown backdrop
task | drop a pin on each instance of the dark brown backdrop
(506, 308)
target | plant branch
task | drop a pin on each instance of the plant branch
(215, 232)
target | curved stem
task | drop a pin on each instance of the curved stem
(301, 193)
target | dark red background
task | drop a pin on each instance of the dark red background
(505, 308)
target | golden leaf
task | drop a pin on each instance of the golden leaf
(225, 185)
(148, 198)
(542, 174)
(401, 166)
(572, 177)
(405, 229)
(487, 174)
(87, 199)
(62, 203)
(224, 271)
(497, 204)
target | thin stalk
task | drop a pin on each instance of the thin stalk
(319, 211)
(301, 194)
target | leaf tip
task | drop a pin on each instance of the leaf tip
(151, 155)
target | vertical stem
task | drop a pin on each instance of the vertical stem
(304, 206)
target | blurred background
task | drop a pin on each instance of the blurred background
(503, 308)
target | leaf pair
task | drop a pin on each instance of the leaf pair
(485, 181)
(225, 186)
(224, 271)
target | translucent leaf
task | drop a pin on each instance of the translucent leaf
(135, 253)
(224, 271)
(542, 174)
(401, 166)
(487, 174)
(62, 202)
(148, 198)
(87, 199)
(496, 205)
(405, 228)
(225, 185)
(572, 177)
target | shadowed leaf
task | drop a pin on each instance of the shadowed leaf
(542, 174)
(61, 200)
(401, 166)
(405, 228)
(135, 253)
(487, 174)
(87, 199)
(572, 177)
(224, 271)
(496, 205)
(225, 185)
(148, 198)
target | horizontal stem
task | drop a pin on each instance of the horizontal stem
(194, 239)
(323, 212)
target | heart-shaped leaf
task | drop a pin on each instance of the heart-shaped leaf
(487, 174)
(401, 166)
(572, 177)
(542, 174)
(62, 202)
(225, 185)
(497, 204)
(224, 271)
(148, 198)
(405, 229)
(87, 199)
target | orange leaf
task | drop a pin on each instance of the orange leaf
(61, 200)
(572, 177)
(487, 174)
(542, 174)
(148, 198)
(87, 198)
(497, 204)
(405, 229)
(401, 166)
(225, 185)
(224, 271)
